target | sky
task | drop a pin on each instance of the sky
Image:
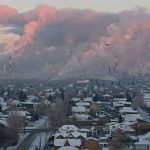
(97, 5)
(45, 41)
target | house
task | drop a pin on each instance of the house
(85, 130)
(88, 99)
(144, 113)
(128, 110)
(143, 143)
(103, 143)
(58, 143)
(69, 136)
(91, 143)
(120, 104)
(129, 113)
(131, 117)
(27, 106)
(146, 100)
(80, 113)
(3, 105)
(119, 132)
(82, 103)
(68, 127)
(68, 148)
(74, 100)
(107, 97)
(141, 124)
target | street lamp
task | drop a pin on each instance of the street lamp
(40, 142)
(24, 125)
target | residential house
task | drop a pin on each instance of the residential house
(69, 135)
(143, 143)
(91, 143)
(146, 100)
(80, 113)
(120, 132)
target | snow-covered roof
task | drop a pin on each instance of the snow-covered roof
(27, 102)
(59, 142)
(32, 97)
(88, 99)
(79, 109)
(147, 136)
(81, 117)
(120, 99)
(122, 126)
(74, 142)
(147, 96)
(121, 103)
(106, 95)
(127, 110)
(132, 117)
(144, 139)
(143, 142)
(3, 122)
(82, 104)
(3, 104)
(103, 138)
(19, 113)
(75, 99)
(68, 128)
(48, 90)
(83, 81)
(91, 138)
(68, 148)
(70, 134)
(84, 130)
(1, 100)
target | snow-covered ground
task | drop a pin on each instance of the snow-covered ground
(41, 123)
(22, 136)
(40, 141)
(41, 138)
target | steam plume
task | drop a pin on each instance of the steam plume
(71, 42)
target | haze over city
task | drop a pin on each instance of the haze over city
(72, 38)
(74, 74)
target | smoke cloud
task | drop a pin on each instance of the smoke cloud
(46, 42)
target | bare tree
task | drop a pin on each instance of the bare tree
(52, 116)
(56, 113)
(14, 122)
(40, 109)
(137, 101)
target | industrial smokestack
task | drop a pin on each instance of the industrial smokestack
(109, 70)
(4, 71)
(10, 65)
(116, 63)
